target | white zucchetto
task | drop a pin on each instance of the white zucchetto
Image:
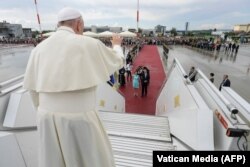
(68, 13)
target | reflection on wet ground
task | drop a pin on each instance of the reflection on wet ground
(13, 62)
(237, 66)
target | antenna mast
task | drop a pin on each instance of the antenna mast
(38, 18)
(137, 15)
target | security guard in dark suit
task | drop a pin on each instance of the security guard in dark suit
(145, 78)
(226, 82)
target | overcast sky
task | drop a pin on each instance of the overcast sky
(201, 14)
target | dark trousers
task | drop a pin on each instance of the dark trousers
(122, 79)
(144, 90)
(129, 76)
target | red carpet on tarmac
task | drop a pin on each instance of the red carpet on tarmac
(150, 58)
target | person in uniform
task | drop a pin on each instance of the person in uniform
(62, 75)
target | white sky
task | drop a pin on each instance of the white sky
(201, 14)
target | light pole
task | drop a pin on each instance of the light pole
(138, 16)
(38, 18)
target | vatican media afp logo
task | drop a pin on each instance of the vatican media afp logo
(198, 158)
(171, 158)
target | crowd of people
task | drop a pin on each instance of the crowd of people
(17, 41)
(231, 47)
(211, 45)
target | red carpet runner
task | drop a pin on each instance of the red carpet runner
(150, 58)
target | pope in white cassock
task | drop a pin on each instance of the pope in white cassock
(62, 74)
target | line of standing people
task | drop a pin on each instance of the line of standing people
(229, 47)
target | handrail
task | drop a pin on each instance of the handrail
(175, 63)
(229, 106)
(165, 51)
(244, 104)
(179, 66)
(10, 89)
(162, 86)
(5, 83)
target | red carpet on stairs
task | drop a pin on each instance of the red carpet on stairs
(150, 58)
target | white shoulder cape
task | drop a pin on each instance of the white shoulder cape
(67, 61)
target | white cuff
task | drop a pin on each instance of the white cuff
(118, 49)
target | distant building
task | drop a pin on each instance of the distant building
(115, 29)
(242, 27)
(96, 29)
(148, 32)
(159, 29)
(132, 30)
(201, 32)
(87, 29)
(180, 32)
(27, 32)
(4, 31)
(167, 33)
(99, 29)
(11, 30)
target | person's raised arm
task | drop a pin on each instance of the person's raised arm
(116, 40)
(116, 44)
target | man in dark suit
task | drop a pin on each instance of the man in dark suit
(226, 82)
(145, 78)
(192, 74)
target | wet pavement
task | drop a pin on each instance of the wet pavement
(13, 61)
(237, 66)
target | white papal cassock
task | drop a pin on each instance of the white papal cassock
(62, 74)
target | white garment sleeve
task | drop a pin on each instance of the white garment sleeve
(111, 58)
(118, 49)
(35, 98)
